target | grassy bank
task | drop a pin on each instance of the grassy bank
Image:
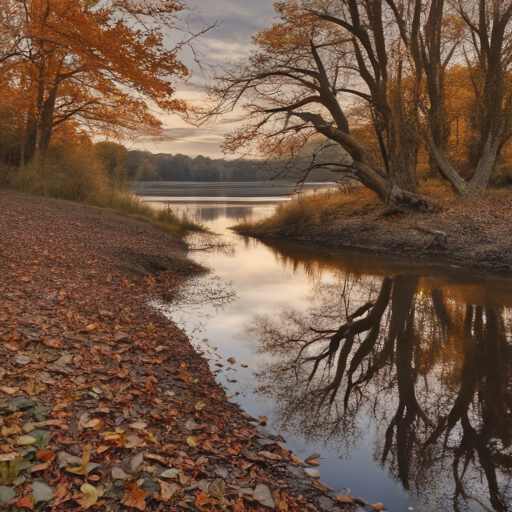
(89, 174)
(473, 233)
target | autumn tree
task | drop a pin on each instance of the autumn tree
(96, 64)
(485, 50)
(297, 85)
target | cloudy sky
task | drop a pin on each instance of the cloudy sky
(237, 21)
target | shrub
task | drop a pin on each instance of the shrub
(78, 174)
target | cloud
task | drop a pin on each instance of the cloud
(188, 141)
(229, 41)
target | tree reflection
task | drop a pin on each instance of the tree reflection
(432, 375)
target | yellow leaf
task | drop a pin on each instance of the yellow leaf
(91, 496)
(192, 441)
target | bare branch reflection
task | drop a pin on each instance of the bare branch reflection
(431, 378)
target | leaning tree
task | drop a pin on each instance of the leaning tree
(299, 84)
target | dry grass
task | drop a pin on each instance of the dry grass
(77, 175)
(127, 203)
(312, 210)
(306, 213)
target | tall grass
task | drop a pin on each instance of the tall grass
(76, 174)
(310, 210)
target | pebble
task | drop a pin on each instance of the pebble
(314, 473)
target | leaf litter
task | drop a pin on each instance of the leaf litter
(104, 404)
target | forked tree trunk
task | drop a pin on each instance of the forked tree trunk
(367, 170)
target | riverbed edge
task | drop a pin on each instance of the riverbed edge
(472, 235)
(122, 275)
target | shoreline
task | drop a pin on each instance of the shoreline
(473, 235)
(123, 412)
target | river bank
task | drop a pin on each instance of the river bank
(473, 234)
(104, 403)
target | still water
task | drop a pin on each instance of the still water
(399, 375)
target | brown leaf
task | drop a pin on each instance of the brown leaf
(192, 441)
(202, 499)
(92, 423)
(52, 343)
(135, 497)
(39, 467)
(26, 502)
(167, 491)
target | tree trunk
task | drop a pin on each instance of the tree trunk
(366, 169)
(403, 164)
(46, 123)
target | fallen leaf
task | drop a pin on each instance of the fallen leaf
(25, 440)
(8, 390)
(262, 494)
(311, 457)
(202, 499)
(135, 497)
(167, 491)
(90, 497)
(118, 474)
(192, 441)
(6, 494)
(170, 473)
(41, 492)
(26, 502)
(92, 423)
(39, 467)
(9, 431)
(52, 343)
(7, 457)
(270, 455)
(139, 425)
(136, 462)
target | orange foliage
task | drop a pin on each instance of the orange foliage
(97, 65)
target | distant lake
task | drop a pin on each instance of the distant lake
(230, 191)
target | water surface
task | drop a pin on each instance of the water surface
(398, 374)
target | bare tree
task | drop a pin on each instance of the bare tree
(295, 87)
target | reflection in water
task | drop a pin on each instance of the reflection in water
(430, 376)
(192, 297)
(412, 371)
(207, 213)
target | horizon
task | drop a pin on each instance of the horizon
(229, 41)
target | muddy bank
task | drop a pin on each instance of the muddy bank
(104, 404)
(472, 234)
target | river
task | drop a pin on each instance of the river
(408, 402)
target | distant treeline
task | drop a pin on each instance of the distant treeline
(145, 166)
